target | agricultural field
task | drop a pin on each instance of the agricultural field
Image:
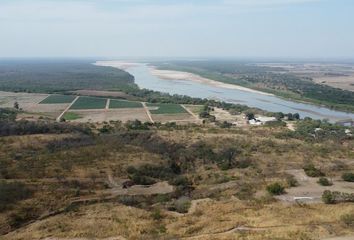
(99, 116)
(7, 99)
(89, 103)
(71, 116)
(30, 105)
(124, 104)
(162, 108)
(58, 99)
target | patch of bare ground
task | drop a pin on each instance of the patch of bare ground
(343, 82)
(105, 115)
(186, 76)
(157, 188)
(27, 101)
(223, 115)
(310, 191)
(180, 118)
(117, 64)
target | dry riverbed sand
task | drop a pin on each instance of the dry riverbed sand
(177, 75)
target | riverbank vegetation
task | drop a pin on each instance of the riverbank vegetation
(268, 79)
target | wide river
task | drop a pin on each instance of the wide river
(145, 79)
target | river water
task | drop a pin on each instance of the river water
(144, 79)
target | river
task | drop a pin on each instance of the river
(144, 79)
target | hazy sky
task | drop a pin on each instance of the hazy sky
(184, 28)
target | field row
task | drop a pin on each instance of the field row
(94, 109)
(95, 103)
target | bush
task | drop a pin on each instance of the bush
(324, 181)
(142, 180)
(312, 171)
(275, 189)
(182, 204)
(348, 219)
(348, 177)
(291, 181)
(328, 197)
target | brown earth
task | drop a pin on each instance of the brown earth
(103, 115)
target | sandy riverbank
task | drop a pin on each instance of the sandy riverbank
(186, 76)
(177, 75)
(117, 64)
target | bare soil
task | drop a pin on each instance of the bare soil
(223, 115)
(310, 190)
(180, 118)
(345, 82)
(103, 115)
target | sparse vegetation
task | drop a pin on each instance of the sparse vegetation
(312, 171)
(275, 189)
(324, 181)
(348, 219)
(348, 177)
(267, 79)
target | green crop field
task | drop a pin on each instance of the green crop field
(57, 99)
(71, 116)
(124, 104)
(167, 108)
(89, 103)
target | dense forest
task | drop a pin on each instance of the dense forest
(61, 75)
(273, 80)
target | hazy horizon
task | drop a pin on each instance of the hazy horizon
(223, 29)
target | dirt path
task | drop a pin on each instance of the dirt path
(148, 112)
(191, 113)
(290, 126)
(225, 233)
(111, 238)
(340, 238)
(66, 109)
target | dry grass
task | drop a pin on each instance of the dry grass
(124, 115)
(211, 220)
(223, 217)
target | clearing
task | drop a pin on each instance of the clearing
(310, 190)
